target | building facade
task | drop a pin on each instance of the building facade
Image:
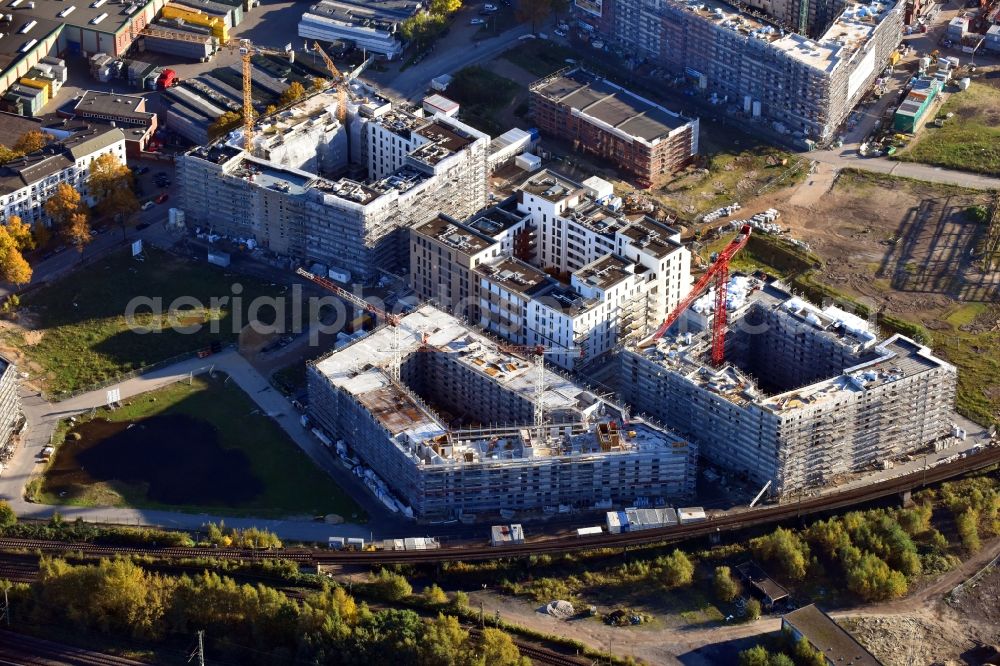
(27, 182)
(641, 138)
(355, 228)
(11, 416)
(806, 396)
(370, 26)
(461, 434)
(800, 66)
(618, 276)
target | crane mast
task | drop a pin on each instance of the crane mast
(718, 272)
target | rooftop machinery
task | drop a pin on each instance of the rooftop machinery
(719, 272)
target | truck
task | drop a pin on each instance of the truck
(168, 79)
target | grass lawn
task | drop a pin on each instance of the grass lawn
(539, 56)
(970, 140)
(731, 169)
(483, 95)
(291, 485)
(74, 333)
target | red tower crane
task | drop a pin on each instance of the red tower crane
(718, 271)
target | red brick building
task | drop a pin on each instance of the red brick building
(641, 138)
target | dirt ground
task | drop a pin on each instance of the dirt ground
(902, 244)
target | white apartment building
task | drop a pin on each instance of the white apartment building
(618, 276)
(579, 224)
(28, 182)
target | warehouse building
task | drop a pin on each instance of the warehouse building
(373, 27)
(355, 228)
(800, 66)
(33, 30)
(806, 395)
(470, 429)
(826, 637)
(27, 182)
(643, 139)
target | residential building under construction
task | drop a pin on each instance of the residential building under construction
(642, 138)
(806, 394)
(800, 65)
(618, 274)
(472, 427)
(288, 195)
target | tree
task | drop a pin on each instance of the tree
(224, 123)
(294, 92)
(32, 141)
(755, 656)
(77, 232)
(534, 11)
(21, 233)
(967, 523)
(780, 659)
(873, 580)
(806, 655)
(7, 515)
(8, 154)
(678, 570)
(63, 204)
(41, 234)
(725, 586)
(445, 7)
(13, 267)
(498, 649)
(110, 182)
(390, 586)
(445, 643)
(433, 594)
(460, 601)
(752, 610)
(786, 548)
(319, 83)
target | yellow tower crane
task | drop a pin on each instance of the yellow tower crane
(246, 51)
(339, 80)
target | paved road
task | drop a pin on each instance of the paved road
(451, 54)
(43, 417)
(847, 157)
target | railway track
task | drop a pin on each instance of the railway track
(727, 523)
(552, 545)
(20, 650)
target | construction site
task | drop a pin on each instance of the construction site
(792, 394)
(282, 184)
(801, 67)
(458, 425)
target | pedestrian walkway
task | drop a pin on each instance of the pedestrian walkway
(43, 417)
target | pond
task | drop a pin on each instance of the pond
(176, 458)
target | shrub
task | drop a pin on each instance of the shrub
(726, 587)
(678, 570)
(7, 516)
(390, 586)
(752, 610)
(433, 594)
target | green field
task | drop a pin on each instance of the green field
(291, 485)
(74, 333)
(970, 139)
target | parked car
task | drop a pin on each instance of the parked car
(477, 21)
(161, 198)
(559, 33)
(490, 8)
(148, 205)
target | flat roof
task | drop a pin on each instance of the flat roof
(359, 370)
(382, 13)
(610, 104)
(551, 186)
(448, 231)
(605, 272)
(838, 646)
(516, 276)
(112, 104)
(80, 16)
(497, 219)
